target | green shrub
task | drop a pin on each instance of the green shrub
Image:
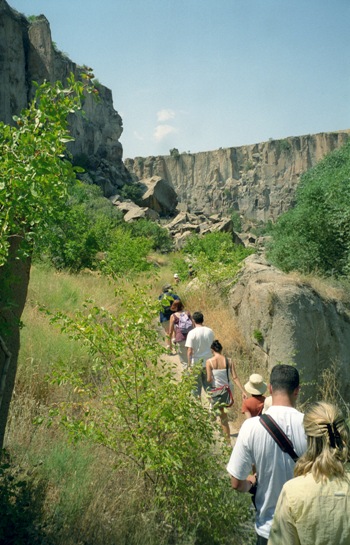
(83, 229)
(126, 254)
(161, 240)
(20, 506)
(315, 235)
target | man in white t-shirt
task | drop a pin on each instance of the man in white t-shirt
(198, 343)
(256, 446)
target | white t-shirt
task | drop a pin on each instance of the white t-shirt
(274, 467)
(200, 340)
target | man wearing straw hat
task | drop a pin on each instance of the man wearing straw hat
(254, 405)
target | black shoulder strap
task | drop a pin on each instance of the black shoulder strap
(228, 378)
(278, 435)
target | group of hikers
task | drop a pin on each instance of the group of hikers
(294, 465)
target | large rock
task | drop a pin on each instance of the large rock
(132, 211)
(158, 195)
(286, 319)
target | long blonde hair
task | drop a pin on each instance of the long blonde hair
(327, 443)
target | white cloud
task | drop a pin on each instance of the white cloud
(165, 115)
(161, 131)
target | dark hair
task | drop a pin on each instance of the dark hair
(177, 305)
(216, 346)
(284, 377)
(198, 317)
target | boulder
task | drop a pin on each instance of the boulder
(132, 211)
(286, 319)
(158, 195)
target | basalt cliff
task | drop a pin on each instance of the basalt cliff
(258, 181)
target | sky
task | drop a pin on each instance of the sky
(198, 75)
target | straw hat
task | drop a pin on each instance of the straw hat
(255, 385)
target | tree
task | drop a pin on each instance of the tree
(315, 235)
(35, 173)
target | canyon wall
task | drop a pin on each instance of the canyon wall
(258, 181)
(28, 54)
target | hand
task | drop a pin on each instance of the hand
(244, 395)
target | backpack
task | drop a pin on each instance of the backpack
(185, 323)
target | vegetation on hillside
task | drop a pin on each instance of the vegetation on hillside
(314, 236)
(90, 233)
(145, 465)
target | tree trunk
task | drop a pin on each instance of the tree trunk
(14, 280)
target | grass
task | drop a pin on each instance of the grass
(86, 495)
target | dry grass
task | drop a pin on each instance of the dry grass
(330, 289)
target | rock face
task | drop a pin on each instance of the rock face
(158, 195)
(27, 55)
(287, 320)
(258, 181)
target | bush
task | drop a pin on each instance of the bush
(126, 254)
(216, 258)
(161, 240)
(133, 405)
(84, 228)
(20, 506)
(315, 235)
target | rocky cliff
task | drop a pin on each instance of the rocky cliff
(28, 54)
(258, 181)
(287, 318)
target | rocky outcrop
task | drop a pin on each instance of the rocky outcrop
(286, 319)
(158, 195)
(28, 54)
(257, 181)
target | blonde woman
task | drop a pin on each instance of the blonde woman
(314, 507)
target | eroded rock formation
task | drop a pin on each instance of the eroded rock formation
(28, 54)
(285, 318)
(257, 181)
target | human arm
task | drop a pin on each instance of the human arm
(171, 331)
(283, 526)
(243, 485)
(189, 355)
(236, 379)
(209, 371)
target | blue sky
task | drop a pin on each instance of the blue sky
(202, 74)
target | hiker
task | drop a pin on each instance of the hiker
(198, 344)
(180, 324)
(167, 297)
(315, 506)
(220, 370)
(253, 406)
(255, 445)
(191, 272)
(176, 279)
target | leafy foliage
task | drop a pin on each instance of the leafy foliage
(161, 240)
(132, 404)
(217, 259)
(315, 235)
(20, 506)
(34, 170)
(84, 227)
